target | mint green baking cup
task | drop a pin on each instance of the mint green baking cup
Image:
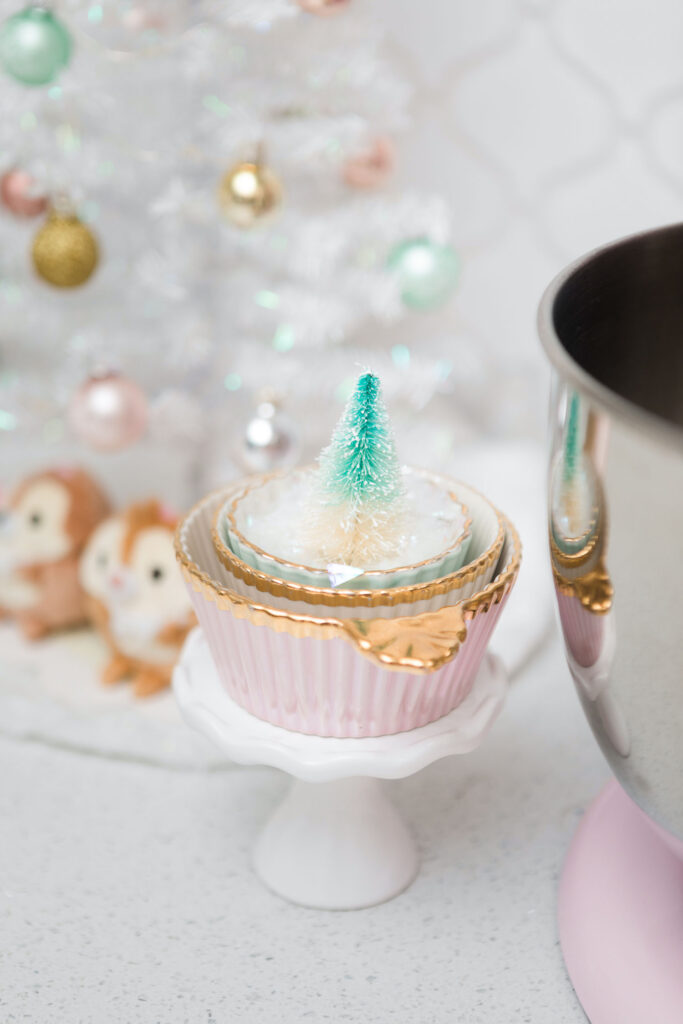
(449, 532)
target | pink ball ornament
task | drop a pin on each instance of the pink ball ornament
(19, 195)
(137, 19)
(109, 412)
(323, 8)
(371, 168)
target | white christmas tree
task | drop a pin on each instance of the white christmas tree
(232, 160)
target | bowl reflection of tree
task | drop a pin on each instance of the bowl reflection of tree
(578, 549)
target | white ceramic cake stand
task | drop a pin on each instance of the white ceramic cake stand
(336, 842)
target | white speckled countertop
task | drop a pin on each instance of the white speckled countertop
(127, 895)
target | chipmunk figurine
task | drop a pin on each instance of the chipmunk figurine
(42, 534)
(137, 596)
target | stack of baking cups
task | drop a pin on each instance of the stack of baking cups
(352, 598)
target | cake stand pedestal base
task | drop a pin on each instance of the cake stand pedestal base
(621, 915)
(336, 842)
(336, 845)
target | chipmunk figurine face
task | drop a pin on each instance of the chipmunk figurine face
(130, 572)
(33, 530)
(42, 533)
(101, 556)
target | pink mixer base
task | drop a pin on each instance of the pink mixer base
(621, 915)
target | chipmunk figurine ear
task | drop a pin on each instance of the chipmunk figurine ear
(137, 595)
(42, 534)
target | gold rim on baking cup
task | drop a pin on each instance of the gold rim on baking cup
(260, 481)
(417, 643)
(386, 598)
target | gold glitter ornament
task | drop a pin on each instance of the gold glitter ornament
(248, 193)
(65, 251)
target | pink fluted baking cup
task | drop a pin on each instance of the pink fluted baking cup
(318, 682)
(324, 687)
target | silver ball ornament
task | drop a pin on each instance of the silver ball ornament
(270, 441)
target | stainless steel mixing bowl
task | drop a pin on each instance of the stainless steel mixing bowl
(612, 326)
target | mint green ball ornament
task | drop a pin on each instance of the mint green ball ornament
(427, 272)
(34, 46)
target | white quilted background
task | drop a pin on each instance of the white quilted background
(551, 126)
